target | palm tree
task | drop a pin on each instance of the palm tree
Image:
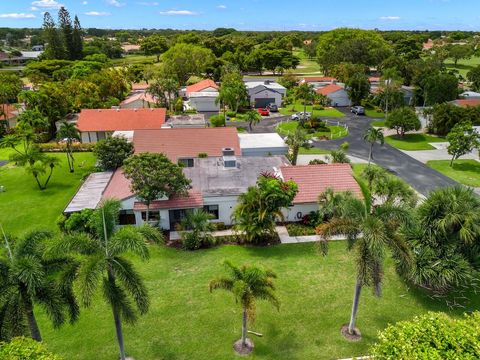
(298, 139)
(248, 284)
(253, 118)
(198, 228)
(307, 94)
(102, 264)
(69, 133)
(372, 136)
(390, 81)
(28, 278)
(370, 231)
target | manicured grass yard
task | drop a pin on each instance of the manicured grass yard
(327, 112)
(466, 172)
(24, 207)
(313, 151)
(463, 65)
(136, 59)
(374, 113)
(289, 127)
(378, 123)
(413, 141)
(186, 321)
(306, 66)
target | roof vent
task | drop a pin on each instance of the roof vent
(228, 152)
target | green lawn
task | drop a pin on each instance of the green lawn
(466, 172)
(288, 127)
(306, 66)
(327, 112)
(186, 321)
(463, 66)
(135, 59)
(378, 123)
(374, 113)
(413, 141)
(313, 151)
(24, 207)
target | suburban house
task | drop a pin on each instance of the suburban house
(262, 93)
(466, 102)
(218, 177)
(8, 115)
(470, 95)
(262, 144)
(201, 96)
(97, 124)
(337, 94)
(130, 48)
(186, 121)
(138, 100)
(319, 81)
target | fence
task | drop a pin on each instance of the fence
(334, 133)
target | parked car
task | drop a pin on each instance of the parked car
(358, 110)
(307, 115)
(272, 107)
(263, 111)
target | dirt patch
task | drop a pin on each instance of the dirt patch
(243, 350)
(356, 336)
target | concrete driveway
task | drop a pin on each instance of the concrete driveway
(438, 154)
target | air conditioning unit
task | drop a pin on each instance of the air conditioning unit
(229, 162)
(228, 152)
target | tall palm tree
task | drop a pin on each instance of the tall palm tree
(295, 141)
(306, 93)
(248, 284)
(370, 231)
(69, 133)
(253, 118)
(28, 278)
(373, 136)
(102, 264)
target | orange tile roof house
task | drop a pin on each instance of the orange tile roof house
(467, 102)
(97, 124)
(8, 113)
(204, 85)
(202, 96)
(138, 100)
(337, 94)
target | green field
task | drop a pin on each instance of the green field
(378, 123)
(307, 66)
(412, 142)
(374, 113)
(466, 172)
(186, 321)
(135, 59)
(464, 65)
(24, 207)
(298, 107)
(313, 151)
(336, 132)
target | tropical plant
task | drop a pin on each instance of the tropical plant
(198, 228)
(102, 263)
(29, 278)
(261, 205)
(430, 336)
(446, 240)
(253, 118)
(390, 82)
(296, 140)
(462, 139)
(69, 133)
(402, 120)
(22, 348)
(373, 136)
(112, 152)
(153, 176)
(339, 156)
(370, 231)
(248, 284)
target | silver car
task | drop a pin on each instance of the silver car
(301, 115)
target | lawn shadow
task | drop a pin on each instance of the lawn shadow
(279, 343)
(473, 166)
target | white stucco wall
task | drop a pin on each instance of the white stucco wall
(204, 104)
(226, 204)
(290, 214)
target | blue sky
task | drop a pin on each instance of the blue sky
(252, 14)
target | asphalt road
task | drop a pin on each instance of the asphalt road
(418, 175)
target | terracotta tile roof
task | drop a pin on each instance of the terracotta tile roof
(178, 143)
(329, 89)
(10, 110)
(428, 45)
(467, 102)
(118, 187)
(139, 96)
(312, 180)
(139, 86)
(374, 79)
(318, 79)
(121, 119)
(193, 200)
(198, 87)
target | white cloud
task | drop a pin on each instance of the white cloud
(84, 2)
(146, 3)
(97, 13)
(47, 4)
(17, 16)
(222, 6)
(34, 8)
(115, 3)
(390, 18)
(178, 12)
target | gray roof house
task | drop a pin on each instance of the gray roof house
(262, 93)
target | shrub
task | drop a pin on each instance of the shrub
(61, 147)
(318, 107)
(203, 155)
(78, 222)
(296, 229)
(22, 348)
(316, 162)
(430, 336)
(231, 114)
(312, 219)
(112, 152)
(217, 120)
(219, 226)
(192, 240)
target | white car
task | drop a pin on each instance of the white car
(307, 115)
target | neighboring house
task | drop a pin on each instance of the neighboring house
(337, 94)
(466, 102)
(139, 87)
(37, 48)
(470, 95)
(186, 121)
(312, 180)
(319, 81)
(138, 100)
(97, 124)
(408, 94)
(130, 48)
(262, 144)
(262, 93)
(8, 114)
(202, 96)
(428, 45)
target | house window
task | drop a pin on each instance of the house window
(126, 217)
(152, 215)
(186, 162)
(212, 210)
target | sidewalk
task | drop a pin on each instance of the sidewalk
(306, 158)
(287, 239)
(176, 235)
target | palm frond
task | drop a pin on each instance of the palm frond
(88, 277)
(128, 239)
(118, 300)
